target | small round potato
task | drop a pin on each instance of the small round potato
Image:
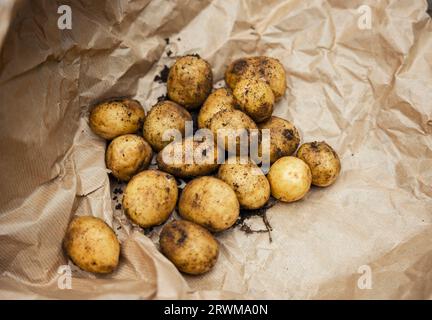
(247, 180)
(220, 100)
(202, 158)
(163, 116)
(255, 98)
(116, 117)
(126, 155)
(190, 247)
(284, 137)
(232, 126)
(190, 81)
(290, 179)
(323, 162)
(260, 67)
(150, 197)
(92, 245)
(209, 202)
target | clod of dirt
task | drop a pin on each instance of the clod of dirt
(162, 77)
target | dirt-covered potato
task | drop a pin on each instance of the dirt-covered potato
(220, 100)
(190, 247)
(322, 160)
(126, 155)
(190, 81)
(114, 118)
(209, 202)
(232, 126)
(247, 180)
(92, 245)
(284, 137)
(150, 197)
(201, 160)
(255, 98)
(163, 116)
(290, 179)
(260, 67)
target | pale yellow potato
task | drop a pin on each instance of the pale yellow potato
(284, 137)
(126, 155)
(114, 118)
(209, 202)
(255, 98)
(202, 161)
(163, 116)
(190, 247)
(150, 197)
(290, 179)
(190, 81)
(248, 182)
(220, 100)
(323, 162)
(92, 245)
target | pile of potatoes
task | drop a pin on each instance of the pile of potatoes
(211, 201)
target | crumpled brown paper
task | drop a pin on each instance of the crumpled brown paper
(367, 92)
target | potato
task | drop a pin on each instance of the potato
(237, 124)
(203, 158)
(255, 98)
(209, 202)
(163, 116)
(323, 162)
(190, 81)
(92, 245)
(261, 68)
(284, 137)
(290, 179)
(114, 118)
(220, 100)
(126, 155)
(150, 197)
(191, 248)
(247, 180)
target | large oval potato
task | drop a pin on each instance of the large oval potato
(92, 245)
(113, 118)
(165, 115)
(209, 202)
(247, 180)
(290, 179)
(220, 100)
(190, 247)
(261, 68)
(190, 81)
(323, 162)
(201, 160)
(126, 155)
(284, 137)
(150, 197)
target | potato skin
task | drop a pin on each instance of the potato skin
(206, 165)
(92, 245)
(150, 197)
(258, 67)
(284, 137)
(323, 162)
(220, 100)
(163, 116)
(290, 179)
(113, 118)
(248, 182)
(209, 202)
(190, 81)
(126, 155)
(255, 98)
(190, 247)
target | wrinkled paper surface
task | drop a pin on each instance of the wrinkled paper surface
(367, 92)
